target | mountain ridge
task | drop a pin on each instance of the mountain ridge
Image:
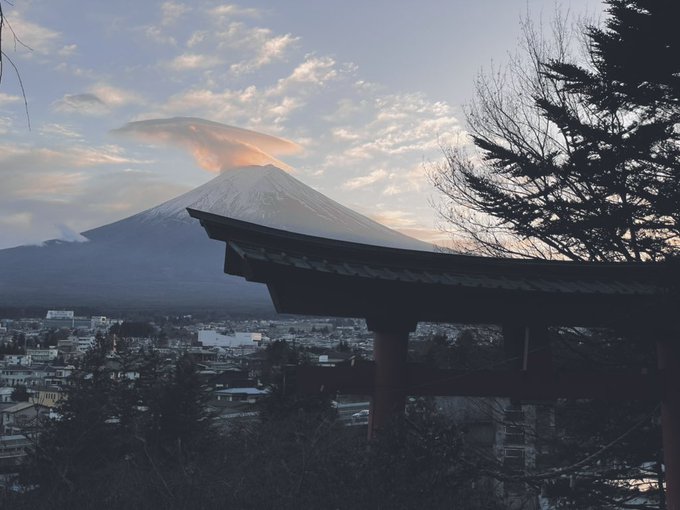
(161, 258)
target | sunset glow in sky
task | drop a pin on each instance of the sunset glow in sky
(351, 97)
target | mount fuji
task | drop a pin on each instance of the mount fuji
(162, 259)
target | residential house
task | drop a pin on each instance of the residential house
(13, 450)
(231, 378)
(250, 395)
(6, 394)
(22, 418)
(60, 376)
(40, 373)
(14, 375)
(48, 396)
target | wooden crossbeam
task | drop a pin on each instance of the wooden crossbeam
(421, 380)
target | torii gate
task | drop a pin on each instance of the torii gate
(393, 289)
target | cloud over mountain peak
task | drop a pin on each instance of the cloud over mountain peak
(216, 147)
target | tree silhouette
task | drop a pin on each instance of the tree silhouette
(576, 159)
(4, 57)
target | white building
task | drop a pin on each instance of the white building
(83, 343)
(42, 354)
(60, 314)
(212, 338)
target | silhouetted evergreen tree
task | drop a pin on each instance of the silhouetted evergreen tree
(278, 354)
(183, 420)
(579, 159)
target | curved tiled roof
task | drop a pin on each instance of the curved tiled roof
(314, 275)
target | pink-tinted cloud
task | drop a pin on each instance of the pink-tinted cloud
(216, 147)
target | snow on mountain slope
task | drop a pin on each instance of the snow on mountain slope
(268, 196)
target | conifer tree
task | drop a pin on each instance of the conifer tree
(579, 159)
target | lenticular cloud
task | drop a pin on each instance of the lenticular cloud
(216, 147)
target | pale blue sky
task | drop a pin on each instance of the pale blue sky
(366, 89)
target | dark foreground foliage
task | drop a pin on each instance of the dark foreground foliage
(147, 442)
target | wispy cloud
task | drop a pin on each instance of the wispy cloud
(24, 160)
(8, 99)
(395, 218)
(67, 50)
(59, 130)
(193, 61)
(172, 12)
(197, 38)
(160, 30)
(57, 192)
(232, 10)
(313, 71)
(403, 123)
(99, 101)
(215, 147)
(5, 125)
(86, 104)
(247, 48)
(265, 108)
(270, 49)
(115, 97)
(365, 180)
(20, 220)
(158, 35)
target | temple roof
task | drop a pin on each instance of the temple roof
(314, 275)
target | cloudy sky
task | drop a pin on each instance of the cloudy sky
(352, 97)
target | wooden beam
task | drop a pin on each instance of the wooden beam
(356, 379)
(421, 380)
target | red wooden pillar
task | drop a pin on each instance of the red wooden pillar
(390, 349)
(669, 363)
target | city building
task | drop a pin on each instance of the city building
(212, 338)
(42, 355)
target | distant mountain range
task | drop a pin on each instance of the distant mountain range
(161, 259)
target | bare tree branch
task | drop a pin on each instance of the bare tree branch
(4, 57)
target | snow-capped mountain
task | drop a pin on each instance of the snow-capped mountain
(161, 258)
(269, 196)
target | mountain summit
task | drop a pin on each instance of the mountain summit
(269, 196)
(162, 259)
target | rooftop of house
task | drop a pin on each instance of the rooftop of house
(241, 391)
(21, 406)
